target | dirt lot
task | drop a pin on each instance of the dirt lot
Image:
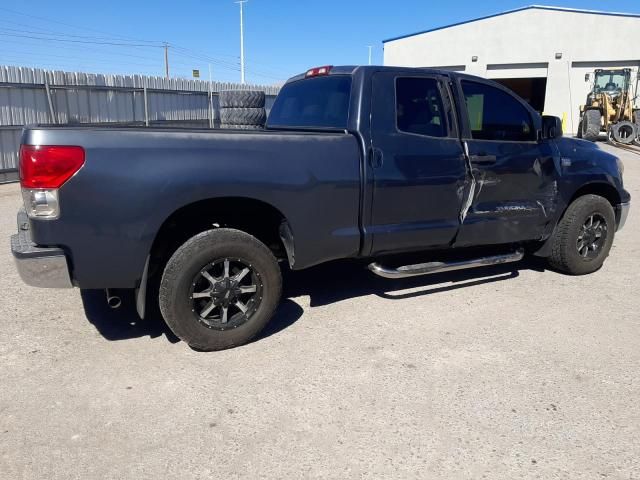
(502, 373)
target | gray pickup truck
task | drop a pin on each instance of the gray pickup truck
(354, 162)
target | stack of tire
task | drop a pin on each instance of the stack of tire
(242, 109)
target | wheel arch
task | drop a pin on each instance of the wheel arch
(253, 216)
(600, 188)
(256, 217)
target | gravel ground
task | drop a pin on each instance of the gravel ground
(502, 373)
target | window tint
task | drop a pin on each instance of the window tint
(313, 102)
(496, 115)
(419, 107)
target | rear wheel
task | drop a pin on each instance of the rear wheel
(583, 237)
(220, 289)
(591, 124)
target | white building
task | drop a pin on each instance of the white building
(542, 53)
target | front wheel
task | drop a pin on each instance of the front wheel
(591, 125)
(583, 237)
(220, 289)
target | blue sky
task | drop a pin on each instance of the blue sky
(282, 37)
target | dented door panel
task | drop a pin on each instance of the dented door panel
(512, 193)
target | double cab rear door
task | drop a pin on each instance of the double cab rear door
(448, 172)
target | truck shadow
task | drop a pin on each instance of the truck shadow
(324, 284)
(337, 281)
(124, 323)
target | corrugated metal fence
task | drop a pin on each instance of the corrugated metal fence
(32, 95)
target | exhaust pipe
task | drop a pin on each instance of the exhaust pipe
(437, 267)
(113, 301)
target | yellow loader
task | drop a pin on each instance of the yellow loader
(610, 107)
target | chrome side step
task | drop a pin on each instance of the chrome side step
(437, 267)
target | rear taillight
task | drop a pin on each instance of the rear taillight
(48, 166)
(44, 169)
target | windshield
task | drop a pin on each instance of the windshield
(609, 81)
(321, 102)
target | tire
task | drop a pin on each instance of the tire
(579, 132)
(243, 116)
(241, 99)
(565, 254)
(183, 279)
(241, 127)
(624, 132)
(591, 125)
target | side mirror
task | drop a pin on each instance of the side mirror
(586, 77)
(551, 127)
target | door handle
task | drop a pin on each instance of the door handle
(375, 157)
(483, 158)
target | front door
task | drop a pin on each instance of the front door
(513, 193)
(417, 162)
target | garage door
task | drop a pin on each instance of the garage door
(517, 70)
(528, 80)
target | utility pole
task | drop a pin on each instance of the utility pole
(241, 2)
(369, 54)
(166, 59)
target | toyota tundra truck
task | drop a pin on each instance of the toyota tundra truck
(369, 163)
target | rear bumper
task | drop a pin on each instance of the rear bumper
(622, 212)
(44, 267)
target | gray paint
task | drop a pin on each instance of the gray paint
(134, 179)
(338, 202)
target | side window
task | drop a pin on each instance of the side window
(419, 107)
(496, 115)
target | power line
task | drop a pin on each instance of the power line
(39, 34)
(45, 31)
(93, 42)
(49, 20)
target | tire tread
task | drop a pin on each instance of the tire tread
(242, 99)
(561, 241)
(171, 278)
(243, 116)
(591, 125)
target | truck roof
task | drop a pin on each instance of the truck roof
(352, 69)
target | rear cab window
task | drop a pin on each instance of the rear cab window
(320, 102)
(419, 107)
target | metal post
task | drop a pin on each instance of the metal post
(146, 108)
(369, 54)
(52, 112)
(241, 2)
(166, 59)
(210, 100)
